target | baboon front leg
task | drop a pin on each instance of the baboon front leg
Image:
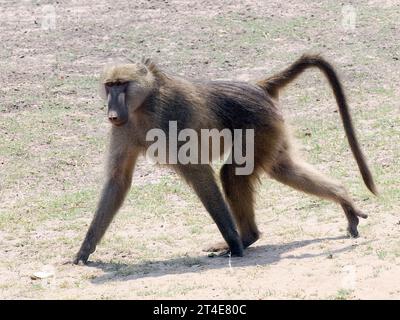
(113, 194)
(302, 177)
(201, 178)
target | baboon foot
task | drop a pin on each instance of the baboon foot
(250, 239)
(236, 249)
(81, 257)
(352, 231)
(352, 215)
(84, 253)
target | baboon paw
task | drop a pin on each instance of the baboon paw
(353, 232)
(361, 214)
(86, 249)
(248, 241)
(81, 257)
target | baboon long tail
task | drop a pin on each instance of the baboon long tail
(276, 82)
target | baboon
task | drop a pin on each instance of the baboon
(141, 96)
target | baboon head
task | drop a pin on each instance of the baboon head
(125, 87)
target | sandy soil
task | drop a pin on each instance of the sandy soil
(54, 136)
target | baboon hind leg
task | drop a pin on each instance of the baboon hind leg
(202, 180)
(304, 178)
(239, 192)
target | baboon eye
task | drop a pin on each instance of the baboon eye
(114, 83)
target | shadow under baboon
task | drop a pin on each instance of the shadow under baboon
(260, 255)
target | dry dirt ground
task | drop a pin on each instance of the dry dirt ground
(54, 135)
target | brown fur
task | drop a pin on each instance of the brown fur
(142, 97)
(276, 82)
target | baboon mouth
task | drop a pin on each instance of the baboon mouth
(118, 124)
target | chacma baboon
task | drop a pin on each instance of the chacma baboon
(142, 97)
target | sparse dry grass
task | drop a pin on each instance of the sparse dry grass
(54, 137)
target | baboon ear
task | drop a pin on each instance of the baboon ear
(149, 63)
(142, 69)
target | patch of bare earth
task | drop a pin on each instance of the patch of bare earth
(53, 139)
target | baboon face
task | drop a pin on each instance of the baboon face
(126, 87)
(117, 108)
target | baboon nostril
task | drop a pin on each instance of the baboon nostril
(113, 116)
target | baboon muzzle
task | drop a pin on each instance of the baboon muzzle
(117, 109)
